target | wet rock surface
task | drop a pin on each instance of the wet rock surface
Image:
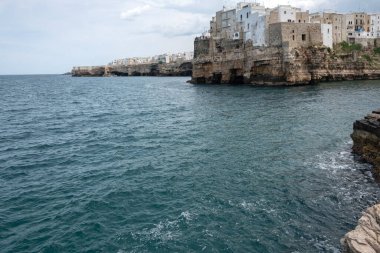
(366, 137)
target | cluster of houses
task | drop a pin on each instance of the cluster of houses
(291, 26)
(164, 58)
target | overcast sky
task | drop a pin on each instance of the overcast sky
(51, 36)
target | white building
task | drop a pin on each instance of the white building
(284, 13)
(327, 35)
(375, 25)
(251, 17)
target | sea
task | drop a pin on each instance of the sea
(155, 164)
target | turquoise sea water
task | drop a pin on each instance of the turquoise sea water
(159, 165)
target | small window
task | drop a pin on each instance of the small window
(293, 31)
(328, 31)
(284, 12)
(299, 21)
(247, 14)
(294, 37)
(241, 17)
(303, 37)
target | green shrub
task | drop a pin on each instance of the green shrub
(367, 57)
(350, 47)
(377, 50)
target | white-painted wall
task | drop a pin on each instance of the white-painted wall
(375, 26)
(287, 13)
(249, 18)
(327, 35)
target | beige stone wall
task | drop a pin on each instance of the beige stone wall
(295, 34)
(302, 17)
(336, 20)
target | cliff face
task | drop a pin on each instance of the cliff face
(169, 69)
(366, 139)
(233, 61)
(88, 71)
(366, 236)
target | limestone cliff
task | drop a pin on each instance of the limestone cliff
(164, 69)
(366, 236)
(236, 62)
(366, 139)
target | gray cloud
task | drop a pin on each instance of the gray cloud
(45, 36)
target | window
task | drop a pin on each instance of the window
(328, 31)
(241, 17)
(284, 12)
(289, 20)
(293, 31)
(299, 21)
(248, 26)
(303, 37)
(293, 37)
(247, 14)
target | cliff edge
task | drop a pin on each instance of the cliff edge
(366, 137)
(366, 236)
(222, 61)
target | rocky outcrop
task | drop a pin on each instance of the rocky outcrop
(163, 69)
(236, 62)
(88, 71)
(366, 137)
(366, 236)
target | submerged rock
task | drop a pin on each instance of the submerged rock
(366, 236)
(366, 139)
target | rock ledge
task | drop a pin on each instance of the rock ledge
(366, 139)
(366, 236)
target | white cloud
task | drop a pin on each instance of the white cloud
(135, 12)
(176, 23)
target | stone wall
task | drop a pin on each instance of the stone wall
(201, 46)
(295, 34)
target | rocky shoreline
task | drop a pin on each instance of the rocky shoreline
(236, 62)
(366, 137)
(156, 69)
(365, 238)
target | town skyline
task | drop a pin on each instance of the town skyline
(50, 37)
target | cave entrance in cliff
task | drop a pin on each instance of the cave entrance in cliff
(217, 78)
(236, 76)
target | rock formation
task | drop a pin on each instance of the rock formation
(366, 236)
(164, 69)
(366, 139)
(236, 62)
